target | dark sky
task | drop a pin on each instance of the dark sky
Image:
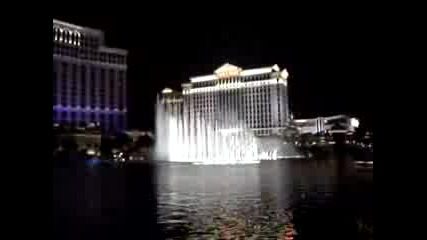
(326, 62)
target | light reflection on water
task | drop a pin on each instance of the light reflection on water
(199, 202)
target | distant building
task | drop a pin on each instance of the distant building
(256, 99)
(259, 97)
(225, 115)
(320, 125)
(89, 79)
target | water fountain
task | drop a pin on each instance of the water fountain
(202, 140)
(219, 138)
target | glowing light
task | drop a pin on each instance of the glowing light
(69, 25)
(256, 71)
(90, 152)
(87, 108)
(283, 81)
(301, 120)
(354, 122)
(268, 155)
(284, 74)
(231, 130)
(203, 78)
(176, 100)
(228, 70)
(167, 90)
(238, 85)
(365, 162)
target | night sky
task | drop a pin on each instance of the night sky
(326, 62)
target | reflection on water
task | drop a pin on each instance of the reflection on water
(256, 201)
(323, 199)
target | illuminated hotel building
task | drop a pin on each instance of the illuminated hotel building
(89, 79)
(233, 116)
(256, 97)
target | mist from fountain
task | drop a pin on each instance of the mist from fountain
(203, 140)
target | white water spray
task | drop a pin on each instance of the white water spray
(210, 139)
(202, 140)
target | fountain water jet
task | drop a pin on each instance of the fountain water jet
(202, 140)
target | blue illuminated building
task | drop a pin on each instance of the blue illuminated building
(89, 79)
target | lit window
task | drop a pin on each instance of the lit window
(66, 37)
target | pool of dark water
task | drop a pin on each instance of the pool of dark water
(322, 198)
(325, 197)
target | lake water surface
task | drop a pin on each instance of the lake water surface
(323, 198)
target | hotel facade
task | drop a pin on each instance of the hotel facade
(89, 78)
(234, 113)
(256, 99)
